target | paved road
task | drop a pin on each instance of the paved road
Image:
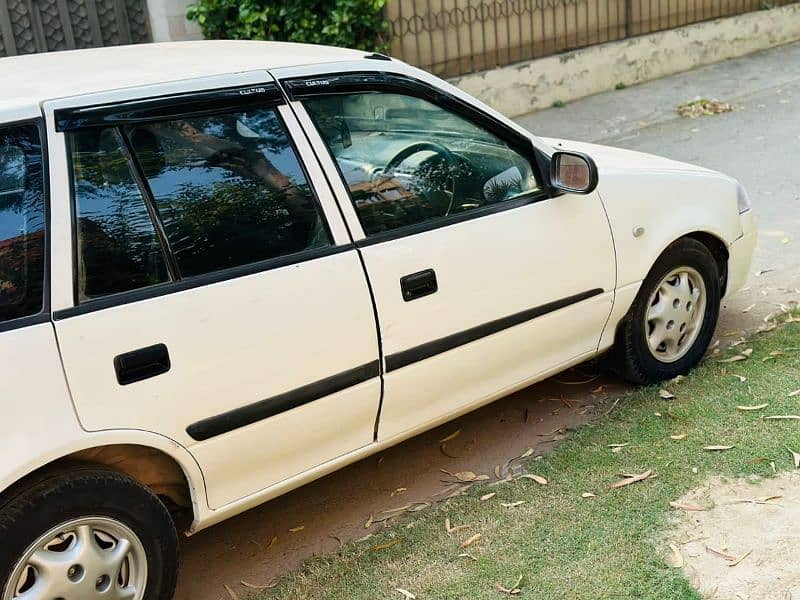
(757, 144)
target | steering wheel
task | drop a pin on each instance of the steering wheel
(449, 158)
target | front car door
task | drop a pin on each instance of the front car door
(483, 280)
(216, 296)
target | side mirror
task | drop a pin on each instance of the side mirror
(573, 172)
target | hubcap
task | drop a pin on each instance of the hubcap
(675, 314)
(82, 559)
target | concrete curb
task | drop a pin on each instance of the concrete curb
(526, 87)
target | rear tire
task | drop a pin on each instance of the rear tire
(80, 532)
(672, 320)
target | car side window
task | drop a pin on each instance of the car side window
(172, 199)
(229, 189)
(118, 250)
(22, 222)
(407, 161)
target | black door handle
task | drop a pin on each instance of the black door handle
(141, 364)
(418, 285)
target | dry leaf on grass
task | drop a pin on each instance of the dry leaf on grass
(385, 545)
(687, 506)
(537, 478)
(794, 393)
(782, 417)
(406, 594)
(588, 495)
(629, 479)
(718, 448)
(467, 555)
(231, 594)
(741, 378)
(756, 407)
(795, 458)
(257, 586)
(676, 560)
(470, 540)
(513, 590)
(451, 529)
(678, 436)
(512, 504)
(488, 496)
(665, 395)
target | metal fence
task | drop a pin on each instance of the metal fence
(455, 37)
(28, 26)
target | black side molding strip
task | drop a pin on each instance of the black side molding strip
(429, 349)
(263, 409)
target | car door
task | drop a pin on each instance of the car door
(217, 298)
(483, 280)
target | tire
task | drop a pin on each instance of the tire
(633, 357)
(96, 507)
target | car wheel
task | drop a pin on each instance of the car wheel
(673, 317)
(86, 533)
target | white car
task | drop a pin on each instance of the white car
(230, 268)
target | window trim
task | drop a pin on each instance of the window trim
(161, 104)
(367, 82)
(44, 315)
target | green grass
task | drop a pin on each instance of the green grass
(566, 546)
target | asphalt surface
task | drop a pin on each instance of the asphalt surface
(757, 143)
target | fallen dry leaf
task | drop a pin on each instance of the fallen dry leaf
(747, 352)
(265, 586)
(298, 528)
(231, 593)
(512, 504)
(618, 445)
(467, 555)
(782, 417)
(749, 308)
(368, 524)
(537, 478)
(679, 436)
(665, 395)
(794, 393)
(588, 495)
(756, 407)
(718, 448)
(735, 358)
(720, 553)
(450, 437)
(688, 506)
(455, 529)
(676, 560)
(406, 594)
(740, 378)
(470, 540)
(740, 559)
(513, 590)
(385, 545)
(795, 458)
(629, 479)
(488, 496)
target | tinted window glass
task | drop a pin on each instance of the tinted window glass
(22, 222)
(118, 250)
(229, 189)
(408, 161)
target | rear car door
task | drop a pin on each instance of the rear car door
(483, 280)
(215, 297)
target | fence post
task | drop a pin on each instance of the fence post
(628, 17)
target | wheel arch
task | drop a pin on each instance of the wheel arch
(174, 478)
(715, 245)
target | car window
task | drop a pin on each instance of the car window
(407, 161)
(228, 188)
(118, 250)
(22, 222)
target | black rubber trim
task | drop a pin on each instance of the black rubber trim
(404, 358)
(263, 409)
(167, 107)
(24, 322)
(162, 289)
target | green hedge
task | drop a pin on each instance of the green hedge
(350, 23)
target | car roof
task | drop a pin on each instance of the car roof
(39, 77)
